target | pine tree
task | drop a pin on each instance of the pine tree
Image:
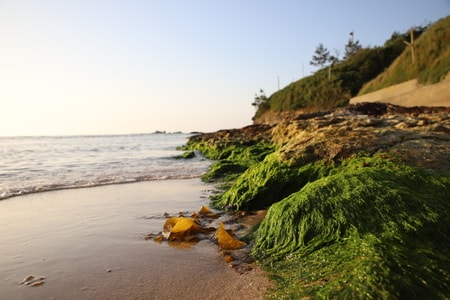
(321, 56)
(352, 46)
(260, 99)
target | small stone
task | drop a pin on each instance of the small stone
(27, 279)
(228, 259)
(158, 239)
(422, 122)
(33, 280)
(38, 283)
(402, 125)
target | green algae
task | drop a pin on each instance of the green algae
(186, 155)
(268, 182)
(224, 169)
(361, 267)
(234, 150)
(363, 228)
(370, 229)
(231, 159)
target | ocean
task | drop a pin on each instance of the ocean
(89, 243)
(38, 164)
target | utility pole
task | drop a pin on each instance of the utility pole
(411, 45)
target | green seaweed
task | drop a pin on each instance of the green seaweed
(268, 182)
(224, 169)
(233, 150)
(186, 155)
(231, 158)
(371, 229)
(362, 267)
(362, 228)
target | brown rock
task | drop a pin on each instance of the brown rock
(418, 136)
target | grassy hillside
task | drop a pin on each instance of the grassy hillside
(432, 60)
(381, 66)
(328, 88)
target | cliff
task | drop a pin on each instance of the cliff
(349, 192)
(357, 196)
(384, 70)
(418, 136)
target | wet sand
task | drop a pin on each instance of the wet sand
(89, 244)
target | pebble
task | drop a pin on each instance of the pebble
(38, 283)
(26, 279)
(33, 280)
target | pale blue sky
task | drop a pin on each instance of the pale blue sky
(112, 67)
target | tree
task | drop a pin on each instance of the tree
(352, 46)
(260, 99)
(321, 56)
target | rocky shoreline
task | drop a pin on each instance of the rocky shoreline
(369, 174)
(417, 135)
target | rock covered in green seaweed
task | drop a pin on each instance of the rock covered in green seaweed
(268, 182)
(186, 155)
(232, 157)
(342, 222)
(384, 226)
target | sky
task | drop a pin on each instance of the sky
(134, 66)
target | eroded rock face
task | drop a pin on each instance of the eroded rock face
(418, 136)
(245, 135)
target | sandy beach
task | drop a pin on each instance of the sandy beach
(89, 244)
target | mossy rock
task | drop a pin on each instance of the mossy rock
(186, 155)
(252, 154)
(268, 182)
(371, 229)
(222, 169)
(232, 159)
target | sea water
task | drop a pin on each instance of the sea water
(86, 234)
(38, 164)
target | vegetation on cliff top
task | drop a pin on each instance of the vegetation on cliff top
(431, 55)
(334, 85)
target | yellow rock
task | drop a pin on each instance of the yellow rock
(228, 259)
(207, 213)
(182, 229)
(204, 210)
(158, 239)
(226, 241)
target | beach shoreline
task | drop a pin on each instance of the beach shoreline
(89, 244)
